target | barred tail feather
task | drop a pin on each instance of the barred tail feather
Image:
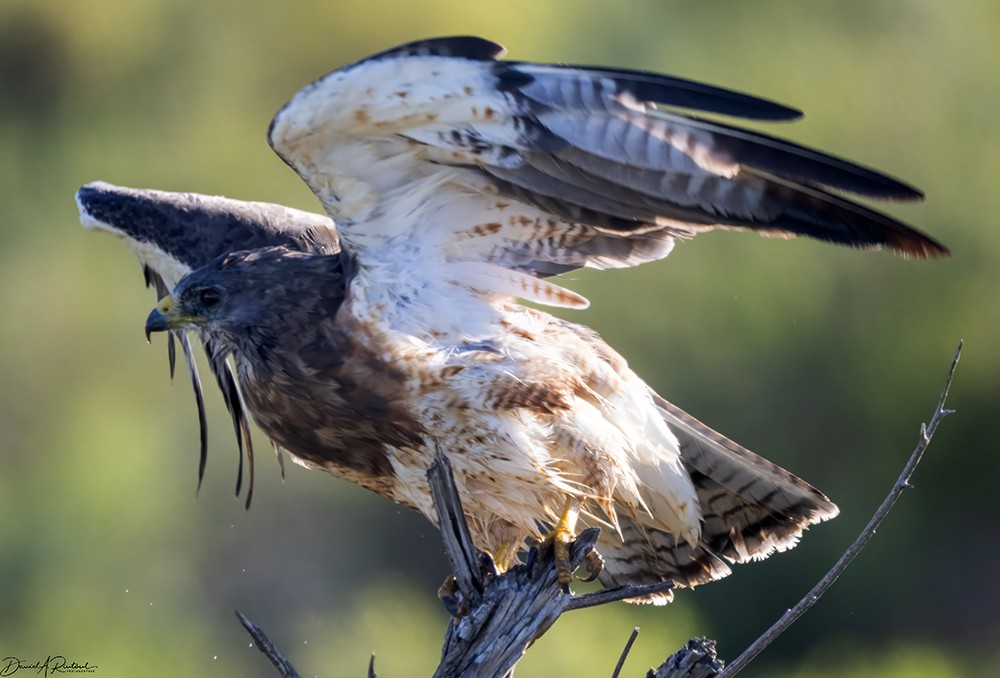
(750, 509)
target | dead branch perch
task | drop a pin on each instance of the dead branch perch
(496, 616)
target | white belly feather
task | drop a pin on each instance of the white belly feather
(516, 463)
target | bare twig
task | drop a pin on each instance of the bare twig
(902, 483)
(626, 592)
(265, 645)
(625, 651)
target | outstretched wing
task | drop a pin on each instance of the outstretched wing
(175, 233)
(497, 173)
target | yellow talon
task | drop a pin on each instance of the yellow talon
(506, 556)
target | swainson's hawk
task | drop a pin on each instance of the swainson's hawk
(458, 184)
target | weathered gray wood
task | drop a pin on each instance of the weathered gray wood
(697, 659)
(265, 645)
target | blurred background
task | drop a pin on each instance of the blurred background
(823, 359)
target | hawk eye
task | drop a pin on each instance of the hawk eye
(209, 297)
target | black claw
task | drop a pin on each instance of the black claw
(595, 565)
(487, 565)
(451, 597)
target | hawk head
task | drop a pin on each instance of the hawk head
(250, 302)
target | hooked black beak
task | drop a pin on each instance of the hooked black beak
(160, 318)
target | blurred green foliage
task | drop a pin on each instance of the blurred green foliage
(823, 359)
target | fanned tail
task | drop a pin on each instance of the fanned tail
(750, 509)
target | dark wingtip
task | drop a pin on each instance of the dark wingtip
(871, 183)
(97, 202)
(907, 192)
(908, 242)
(103, 205)
(786, 112)
(922, 247)
(91, 190)
(684, 93)
(458, 46)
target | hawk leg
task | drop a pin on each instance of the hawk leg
(561, 536)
